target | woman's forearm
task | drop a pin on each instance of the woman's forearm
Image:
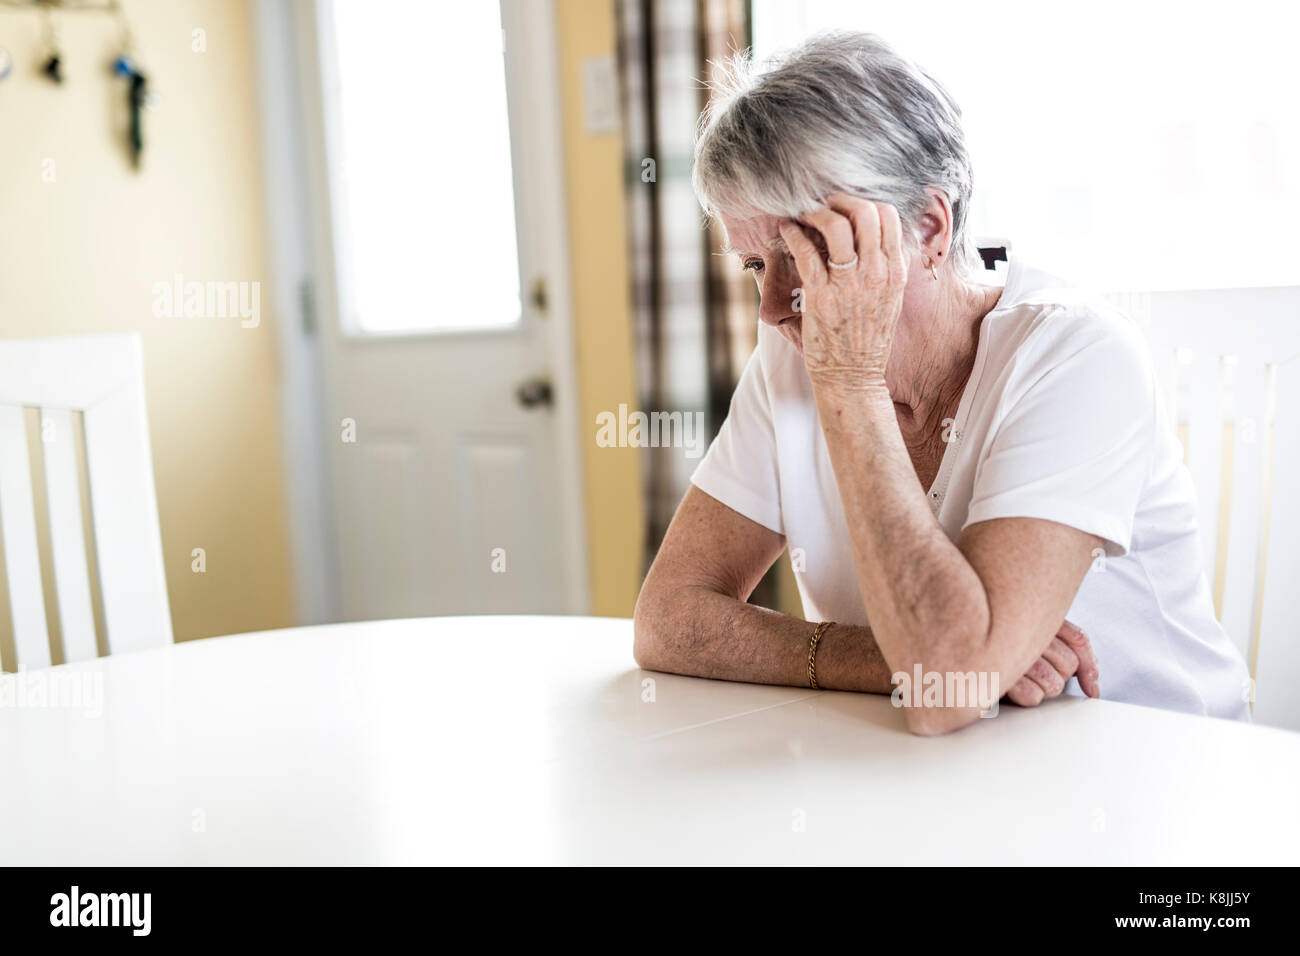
(927, 603)
(699, 632)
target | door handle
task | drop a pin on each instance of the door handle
(535, 392)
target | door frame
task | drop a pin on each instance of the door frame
(304, 233)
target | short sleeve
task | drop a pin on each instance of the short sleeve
(1075, 441)
(740, 467)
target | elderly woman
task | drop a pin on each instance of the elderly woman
(961, 467)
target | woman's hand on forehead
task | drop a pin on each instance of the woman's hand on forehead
(853, 267)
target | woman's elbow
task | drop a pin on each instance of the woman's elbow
(645, 644)
(937, 721)
(951, 688)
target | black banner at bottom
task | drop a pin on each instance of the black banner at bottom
(978, 905)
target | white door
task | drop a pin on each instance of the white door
(442, 307)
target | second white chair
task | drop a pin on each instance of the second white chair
(100, 377)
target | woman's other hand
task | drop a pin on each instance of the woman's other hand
(1069, 655)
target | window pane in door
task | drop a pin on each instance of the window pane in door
(424, 185)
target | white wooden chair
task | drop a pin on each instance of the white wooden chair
(90, 395)
(1229, 361)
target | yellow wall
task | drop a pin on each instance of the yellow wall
(602, 318)
(81, 254)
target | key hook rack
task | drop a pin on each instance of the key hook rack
(125, 66)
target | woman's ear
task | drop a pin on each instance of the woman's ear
(934, 228)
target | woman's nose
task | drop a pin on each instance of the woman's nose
(777, 299)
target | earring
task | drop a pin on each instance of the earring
(930, 265)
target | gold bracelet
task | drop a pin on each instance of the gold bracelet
(812, 653)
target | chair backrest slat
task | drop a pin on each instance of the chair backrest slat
(1267, 444)
(67, 540)
(127, 534)
(1275, 649)
(18, 527)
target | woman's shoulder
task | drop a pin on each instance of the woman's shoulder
(1074, 363)
(1045, 323)
(1054, 327)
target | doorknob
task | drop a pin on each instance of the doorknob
(535, 391)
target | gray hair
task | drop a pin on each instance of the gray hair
(842, 112)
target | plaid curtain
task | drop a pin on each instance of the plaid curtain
(695, 313)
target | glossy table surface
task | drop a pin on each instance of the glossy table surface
(537, 740)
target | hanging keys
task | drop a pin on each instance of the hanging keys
(137, 99)
(53, 67)
(138, 93)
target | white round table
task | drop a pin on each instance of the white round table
(537, 740)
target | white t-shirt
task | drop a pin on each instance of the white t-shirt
(1061, 419)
